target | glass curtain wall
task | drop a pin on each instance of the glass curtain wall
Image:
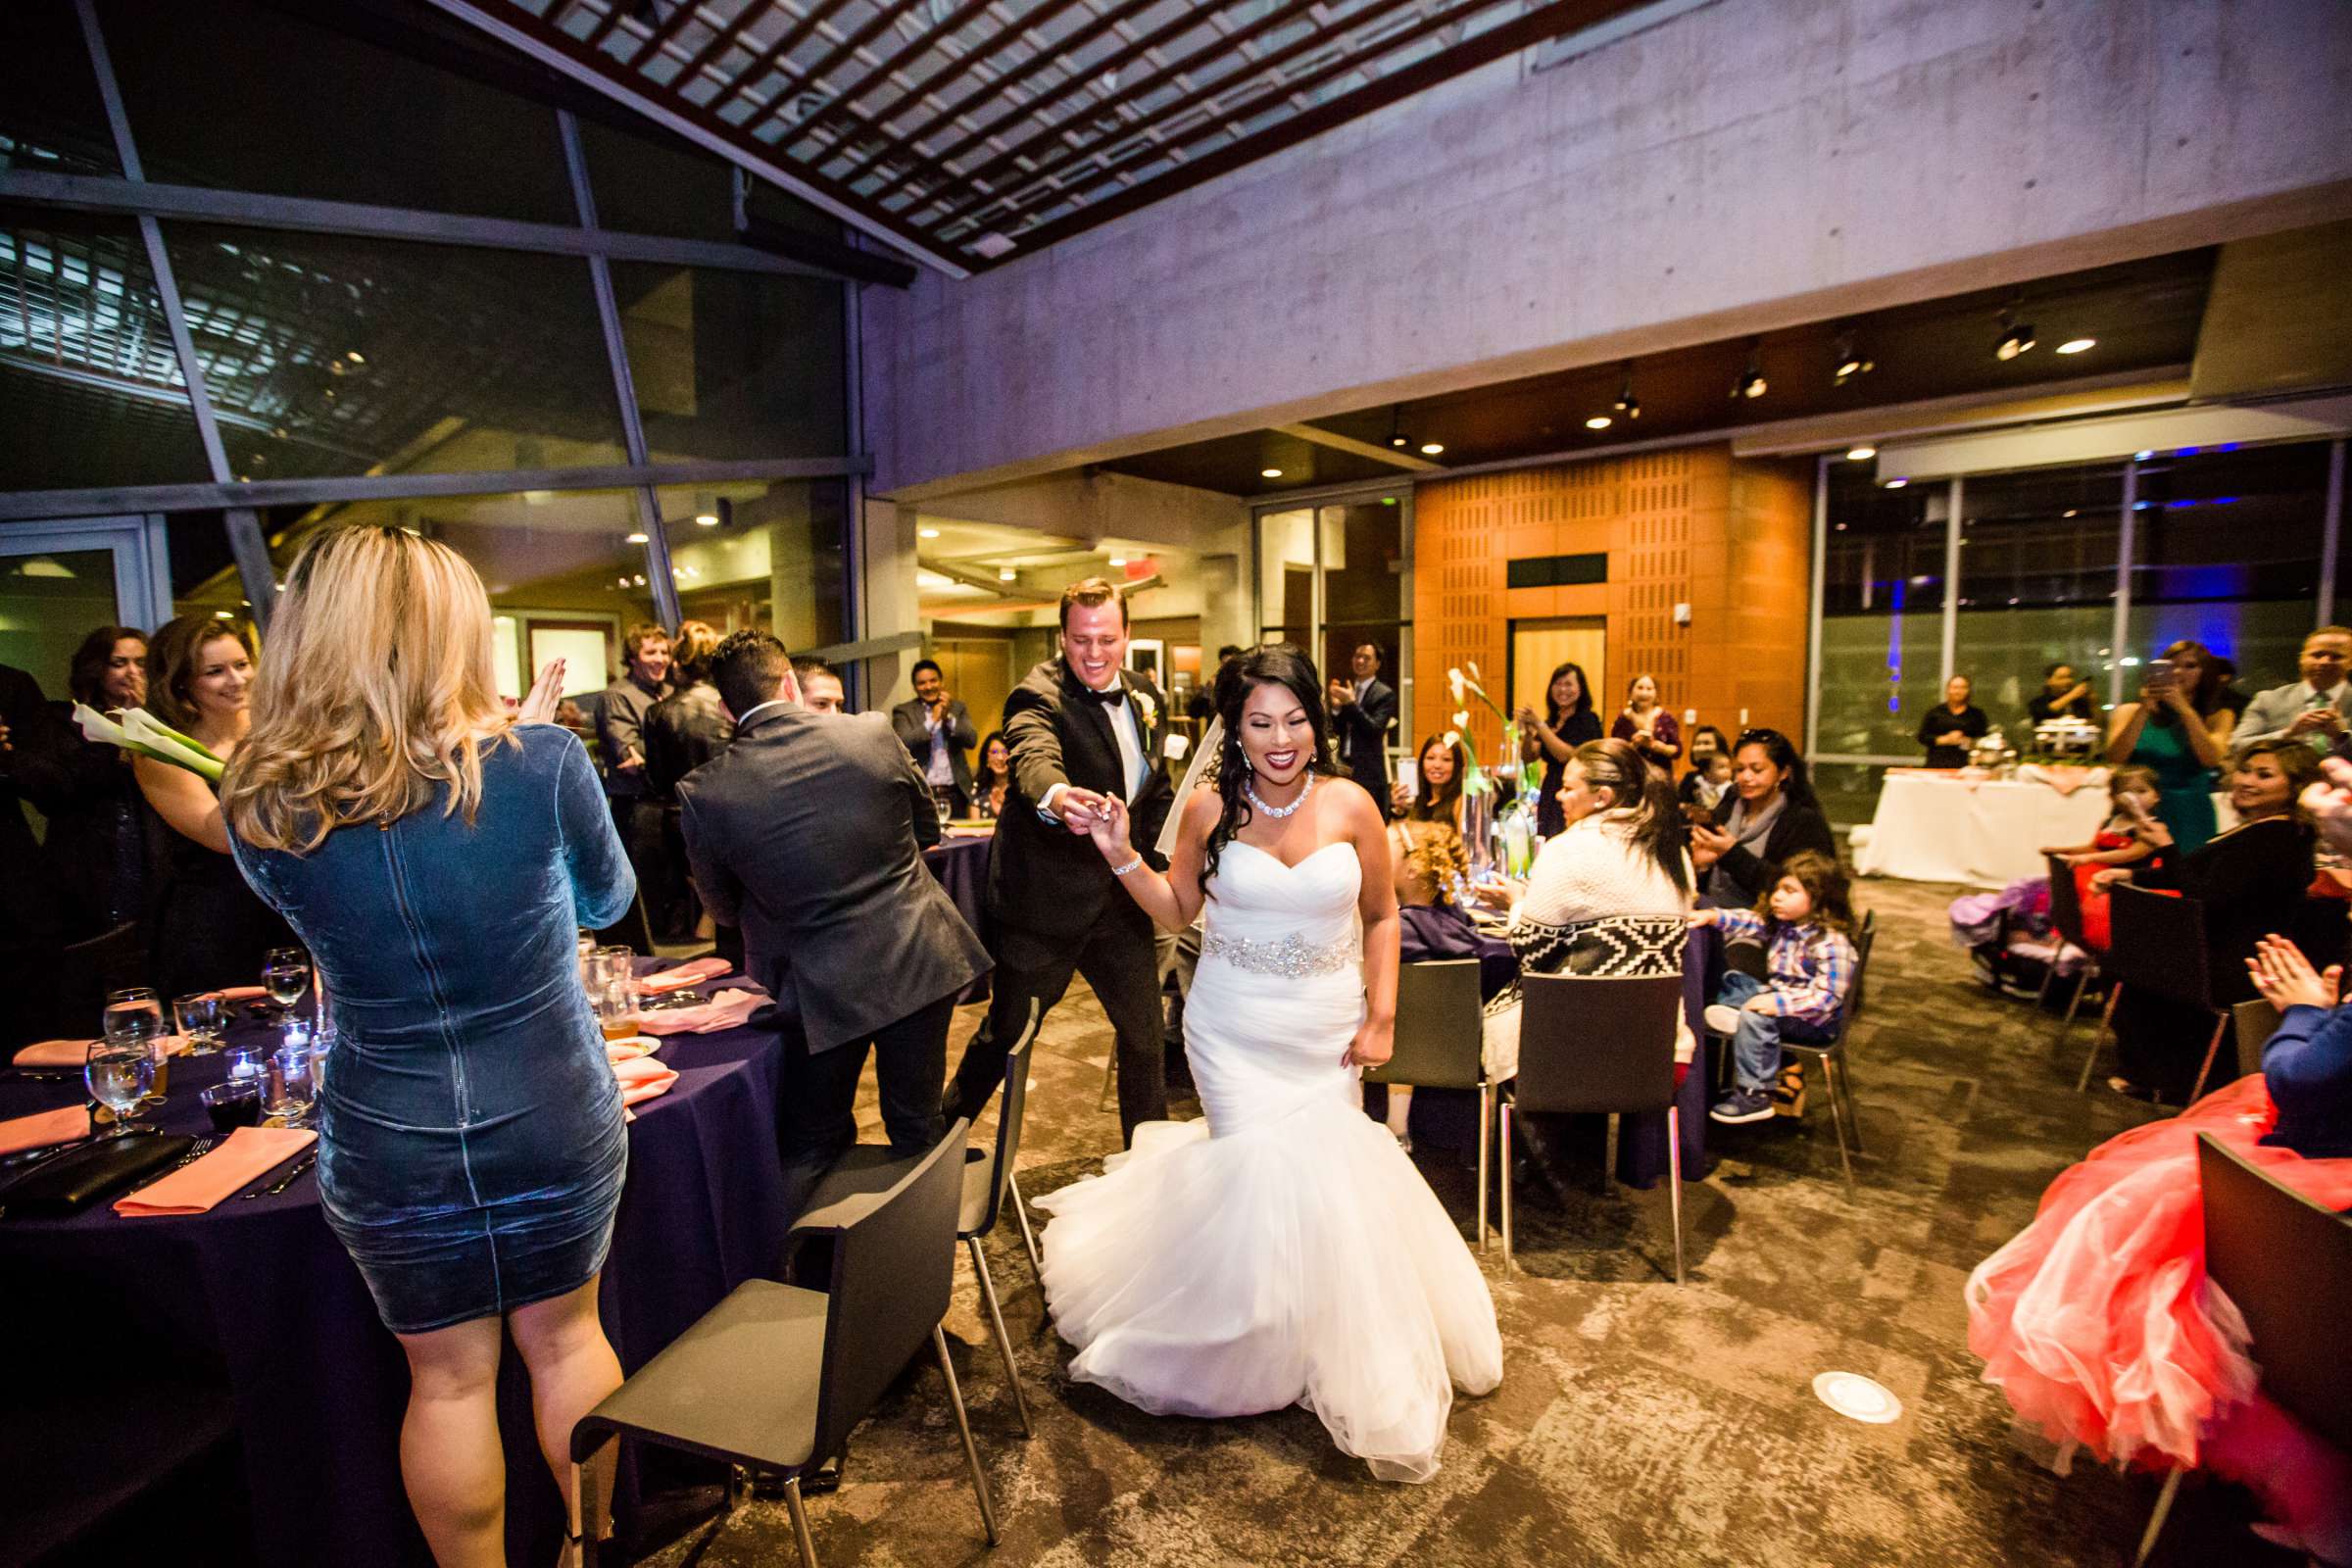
(2227, 546)
(417, 341)
(1335, 575)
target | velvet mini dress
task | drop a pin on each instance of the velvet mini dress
(472, 1146)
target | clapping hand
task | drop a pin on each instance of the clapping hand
(2330, 803)
(547, 692)
(2285, 977)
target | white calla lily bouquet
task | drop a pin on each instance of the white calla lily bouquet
(1475, 779)
(139, 732)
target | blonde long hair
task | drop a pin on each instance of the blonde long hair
(377, 687)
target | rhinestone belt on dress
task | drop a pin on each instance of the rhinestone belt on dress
(1293, 955)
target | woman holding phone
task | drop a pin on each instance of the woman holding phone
(2179, 730)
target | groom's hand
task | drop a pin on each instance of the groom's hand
(1079, 809)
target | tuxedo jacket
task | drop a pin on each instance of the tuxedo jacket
(1041, 876)
(808, 834)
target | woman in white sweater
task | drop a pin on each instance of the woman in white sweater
(1609, 896)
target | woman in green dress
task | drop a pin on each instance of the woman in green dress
(2180, 729)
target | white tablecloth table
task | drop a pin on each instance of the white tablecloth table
(1937, 828)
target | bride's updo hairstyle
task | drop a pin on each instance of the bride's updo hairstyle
(1280, 664)
(1656, 820)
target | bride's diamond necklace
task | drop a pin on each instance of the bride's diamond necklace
(1250, 788)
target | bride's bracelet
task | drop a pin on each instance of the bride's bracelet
(1122, 870)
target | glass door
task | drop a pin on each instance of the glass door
(61, 580)
(1335, 578)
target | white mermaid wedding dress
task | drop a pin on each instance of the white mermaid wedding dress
(1287, 1252)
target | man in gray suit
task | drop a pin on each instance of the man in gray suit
(2314, 710)
(808, 834)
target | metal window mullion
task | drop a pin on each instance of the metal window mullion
(2119, 633)
(1821, 555)
(1951, 582)
(248, 546)
(624, 385)
(2331, 524)
(852, 522)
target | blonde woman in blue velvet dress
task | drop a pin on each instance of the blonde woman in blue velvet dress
(437, 854)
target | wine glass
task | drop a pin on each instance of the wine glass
(286, 974)
(134, 1017)
(202, 1015)
(118, 1075)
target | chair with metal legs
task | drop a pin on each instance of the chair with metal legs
(776, 1376)
(1440, 1034)
(2066, 914)
(1592, 1043)
(2158, 945)
(867, 1169)
(2285, 1264)
(1836, 1073)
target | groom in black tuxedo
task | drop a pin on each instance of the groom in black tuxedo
(1081, 727)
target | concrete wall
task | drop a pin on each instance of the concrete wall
(1747, 165)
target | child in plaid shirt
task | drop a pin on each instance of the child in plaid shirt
(1802, 922)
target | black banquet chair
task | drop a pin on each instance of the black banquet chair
(2286, 1264)
(1440, 1034)
(1590, 1044)
(2066, 914)
(2158, 945)
(776, 1376)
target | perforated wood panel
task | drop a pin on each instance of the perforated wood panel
(1729, 538)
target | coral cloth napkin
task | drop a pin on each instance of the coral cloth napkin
(73, 1053)
(241, 992)
(249, 1154)
(60, 1126)
(642, 1078)
(684, 975)
(729, 1010)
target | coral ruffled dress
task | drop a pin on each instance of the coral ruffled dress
(2096, 1320)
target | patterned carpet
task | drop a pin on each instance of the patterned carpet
(1637, 1423)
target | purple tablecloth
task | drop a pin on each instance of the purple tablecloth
(961, 866)
(1642, 1137)
(262, 1290)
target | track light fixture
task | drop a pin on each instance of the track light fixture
(1851, 360)
(1750, 382)
(2017, 335)
(1398, 439)
(1628, 406)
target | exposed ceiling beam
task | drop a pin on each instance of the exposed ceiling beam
(1362, 448)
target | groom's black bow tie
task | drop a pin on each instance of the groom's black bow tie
(1108, 699)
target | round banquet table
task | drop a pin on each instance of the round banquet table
(1939, 827)
(260, 1294)
(1642, 1137)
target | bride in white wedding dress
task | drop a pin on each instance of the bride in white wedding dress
(1287, 1252)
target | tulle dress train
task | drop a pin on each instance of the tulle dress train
(1285, 1251)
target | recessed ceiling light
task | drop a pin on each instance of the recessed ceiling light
(2076, 345)
(1119, 560)
(637, 538)
(928, 533)
(2143, 454)
(1269, 473)
(223, 614)
(1006, 574)
(705, 520)
(1430, 449)
(1896, 484)
(1861, 454)
(2069, 511)
(1598, 421)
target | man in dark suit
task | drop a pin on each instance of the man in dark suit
(808, 834)
(1361, 722)
(939, 736)
(1081, 727)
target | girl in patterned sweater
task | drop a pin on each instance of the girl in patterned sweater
(1803, 924)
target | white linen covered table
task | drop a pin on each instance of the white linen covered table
(1939, 827)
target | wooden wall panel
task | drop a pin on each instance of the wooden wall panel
(1730, 538)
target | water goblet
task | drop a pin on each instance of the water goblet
(286, 975)
(201, 1016)
(118, 1075)
(134, 1017)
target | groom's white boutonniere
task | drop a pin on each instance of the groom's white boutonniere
(1148, 707)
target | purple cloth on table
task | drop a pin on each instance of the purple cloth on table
(262, 1290)
(961, 866)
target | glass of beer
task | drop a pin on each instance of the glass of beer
(617, 1009)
